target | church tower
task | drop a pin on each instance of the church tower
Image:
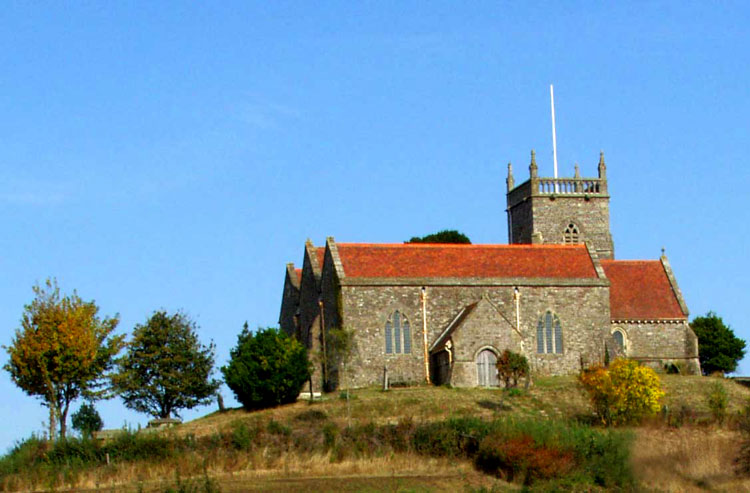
(560, 210)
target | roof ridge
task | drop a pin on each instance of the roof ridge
(630, 261)
(462, 245)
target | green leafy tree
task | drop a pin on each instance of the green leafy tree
(719, 349)
(511, 367)
(87, 420)
(62, 351)
(266, 368)
(166, 368)
(445, 236)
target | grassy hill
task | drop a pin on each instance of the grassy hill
(548, 397)
(337, 444)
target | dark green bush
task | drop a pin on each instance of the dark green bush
(444, 236)
(87, 420)
(276, 428)
(510, 367)
(451, 438)
(74, 450)
(130, 446)
(359, 441)
(266, 369)
(25, 452)
(717, 399)
(242, 436)
(545, 454)
(330, 433)
(399, 436)
(311, 416)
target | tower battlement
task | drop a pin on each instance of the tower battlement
(560, 210)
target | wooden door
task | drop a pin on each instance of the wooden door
(487, 369)
(440, 368)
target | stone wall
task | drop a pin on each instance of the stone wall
(485, 328)
(553, 213)
(539, 214)
(365, 310)
(582, 310)
(659, 343)
(289, 304)
(329, 289)
(520, 223)
(520, 219)
(308, 296)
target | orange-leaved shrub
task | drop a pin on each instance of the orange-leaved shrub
(522, 459)
(626, 392)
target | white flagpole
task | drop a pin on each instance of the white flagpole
(554, 137)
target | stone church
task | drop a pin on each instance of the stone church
(442, 313)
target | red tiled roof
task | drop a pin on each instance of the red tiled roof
(442, 260)
(640, 290)
(321, 253)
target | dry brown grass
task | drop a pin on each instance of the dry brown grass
(692, 390)
(294, 473)
(687, 459)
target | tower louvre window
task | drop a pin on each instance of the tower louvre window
(397, 334)
(571, 235)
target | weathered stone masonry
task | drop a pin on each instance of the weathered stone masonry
(558, 280)
(540, 209)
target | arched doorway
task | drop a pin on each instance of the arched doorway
(440, 368)
(487, 368)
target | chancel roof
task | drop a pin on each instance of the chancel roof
(320, 252)
(465, 261)
(640, 290)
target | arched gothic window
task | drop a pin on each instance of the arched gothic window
(397, 334)
(549, 334)
(619, 338)
(571, 234)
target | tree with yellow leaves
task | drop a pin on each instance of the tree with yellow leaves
(623, 393)
(62, 351)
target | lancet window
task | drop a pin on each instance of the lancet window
(620, 340)
(549, 337)
(397, 334)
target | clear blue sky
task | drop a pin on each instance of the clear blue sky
(177, 155)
